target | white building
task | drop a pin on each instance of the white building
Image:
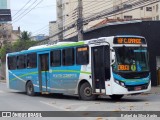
(53, 29)
(67, 12)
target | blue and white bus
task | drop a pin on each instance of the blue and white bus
(114, 66)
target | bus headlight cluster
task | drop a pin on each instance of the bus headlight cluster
(120, 83)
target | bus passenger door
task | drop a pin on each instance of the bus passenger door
(100, 67)
(43, 72)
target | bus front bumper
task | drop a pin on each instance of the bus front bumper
(119, 90)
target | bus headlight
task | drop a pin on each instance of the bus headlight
(120, 83)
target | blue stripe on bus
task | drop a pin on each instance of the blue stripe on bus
(132, 81)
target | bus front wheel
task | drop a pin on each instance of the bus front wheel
(30, 89)
(116, 97)
(85, 92)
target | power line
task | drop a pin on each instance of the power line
(25, 10)
(38, 7)
(112, 11)
(97, 7)
(29, 11)
(40, 29)
(22, 8)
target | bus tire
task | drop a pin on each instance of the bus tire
(30, 89)
(116, 97)
(85, 92)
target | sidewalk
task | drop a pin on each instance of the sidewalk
(155, 90)
(3, 81)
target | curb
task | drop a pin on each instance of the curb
(3, 81)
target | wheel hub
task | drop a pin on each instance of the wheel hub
(87, 91)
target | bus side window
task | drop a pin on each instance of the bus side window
(56, 58)
(32, 60)
(12, 63)
(21, 62)
(68, 57)
(82, 56)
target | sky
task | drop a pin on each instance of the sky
(37, 20)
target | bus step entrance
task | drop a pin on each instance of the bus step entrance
(98, 93)
(44, 93)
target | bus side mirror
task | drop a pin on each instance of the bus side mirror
(113, 57)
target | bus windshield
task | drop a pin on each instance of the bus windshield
(131, 59)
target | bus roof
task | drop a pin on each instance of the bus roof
(64, 44)
(48, 47)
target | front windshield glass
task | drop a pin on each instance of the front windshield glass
(133, 59)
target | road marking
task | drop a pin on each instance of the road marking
(65, 109)
(55, 106)
(1, 91)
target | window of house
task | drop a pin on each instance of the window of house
(82, 56)
(12, 62)
(148, 8)
(21, 62)
(128, 17)
(68, 56)
(56, 58)
(32, 60)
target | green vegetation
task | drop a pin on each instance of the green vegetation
(25, 36)
(23, 43)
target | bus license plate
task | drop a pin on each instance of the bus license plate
(138, 88)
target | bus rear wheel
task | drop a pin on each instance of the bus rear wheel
(116, 97)
(30, 89)
(85, 92)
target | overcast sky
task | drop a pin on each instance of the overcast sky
(37, 19)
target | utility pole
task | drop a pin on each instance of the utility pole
(80, 20)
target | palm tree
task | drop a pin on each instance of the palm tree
(25, 36)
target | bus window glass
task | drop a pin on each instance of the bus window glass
(32, 60)
(82, 57)
(131, 59)
(21, 62)
(68, 57)
(56, 58)
(12, 63)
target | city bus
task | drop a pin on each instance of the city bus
(113, 66)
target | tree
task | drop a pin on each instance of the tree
(7, 48)
(25, 36)
(23, 43)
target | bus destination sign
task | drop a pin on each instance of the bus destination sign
(129, 40)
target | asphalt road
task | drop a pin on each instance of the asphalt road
(11, 100)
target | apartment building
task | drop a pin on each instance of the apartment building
(53, 29)
(7, 34)
(67, 12)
